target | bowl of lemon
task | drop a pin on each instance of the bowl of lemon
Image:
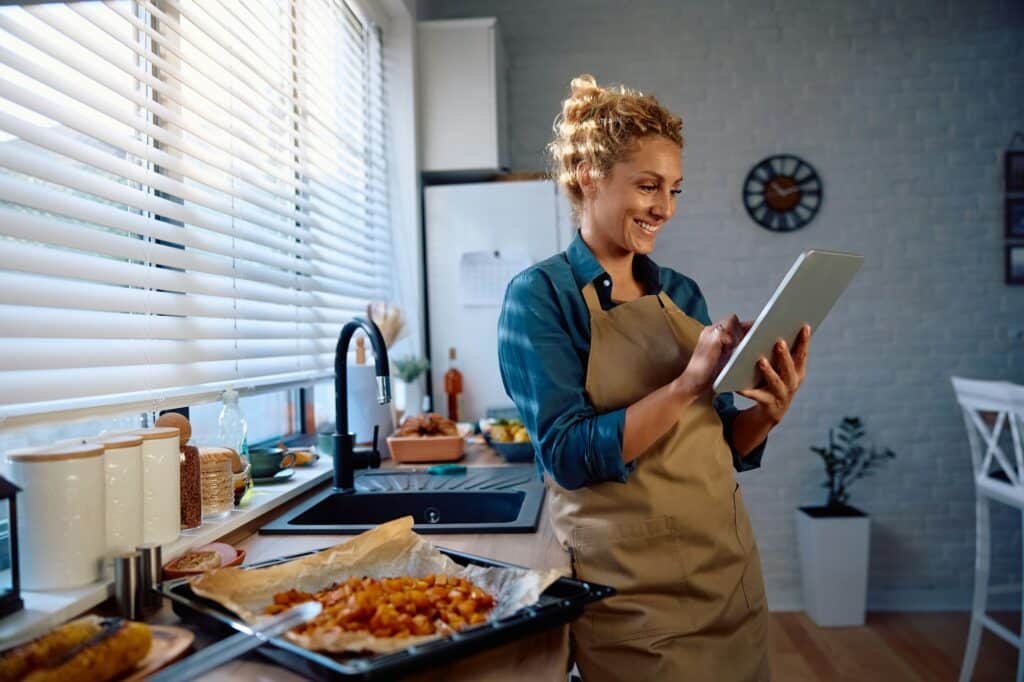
(510, 439)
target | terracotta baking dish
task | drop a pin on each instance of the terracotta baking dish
(425, 448)
(171, 574)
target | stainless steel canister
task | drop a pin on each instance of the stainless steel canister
(152, 575)
(127, 578)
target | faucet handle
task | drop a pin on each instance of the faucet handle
(375, 451)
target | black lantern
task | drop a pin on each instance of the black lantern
(10, 584)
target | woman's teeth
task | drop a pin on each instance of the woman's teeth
(647, 227)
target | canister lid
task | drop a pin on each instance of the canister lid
(157, 432)
(211, 454)
(55, 452)
(217, 454)
(113, 441)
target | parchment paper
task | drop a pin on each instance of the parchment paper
(389, 551)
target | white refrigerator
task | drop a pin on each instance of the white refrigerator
(477, 236)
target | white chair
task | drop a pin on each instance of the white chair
(991, 409)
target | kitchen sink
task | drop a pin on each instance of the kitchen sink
(483, 500)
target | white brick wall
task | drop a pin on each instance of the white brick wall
(905, 109)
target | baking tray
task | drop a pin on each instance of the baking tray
(562, 602)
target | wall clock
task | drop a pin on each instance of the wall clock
(782, 193)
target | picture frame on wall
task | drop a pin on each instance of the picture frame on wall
(1014, 218)
(1015, 171)
(1015, 264)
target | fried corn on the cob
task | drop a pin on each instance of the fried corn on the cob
(52, 646)
(113, 654)
(88, 649)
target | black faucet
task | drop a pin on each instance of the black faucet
(344, 442)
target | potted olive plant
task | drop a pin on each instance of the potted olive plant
(834, 539)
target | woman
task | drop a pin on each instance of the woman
(610, 360)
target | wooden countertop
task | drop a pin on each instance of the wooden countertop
(541, 657)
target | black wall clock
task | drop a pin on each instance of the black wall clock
(782, 193)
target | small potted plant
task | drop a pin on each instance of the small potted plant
(408, 392)
(834, 539)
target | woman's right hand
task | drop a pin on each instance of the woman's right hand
(714, 346)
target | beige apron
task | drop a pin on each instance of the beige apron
(675, 540)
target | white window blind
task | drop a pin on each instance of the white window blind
(193, 195)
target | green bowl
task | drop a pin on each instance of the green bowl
(266, 462)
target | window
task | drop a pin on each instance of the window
(80, 428)
(269, 417)
(323, 407)
(193, 196)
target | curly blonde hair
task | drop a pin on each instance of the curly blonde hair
(601, 126)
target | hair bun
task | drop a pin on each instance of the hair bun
(584, 97)
(584, 86)
(599, 125)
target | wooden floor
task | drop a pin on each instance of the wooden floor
(890, 646)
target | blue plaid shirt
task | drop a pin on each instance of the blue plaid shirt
(543, 345)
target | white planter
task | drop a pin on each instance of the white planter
(834, 566)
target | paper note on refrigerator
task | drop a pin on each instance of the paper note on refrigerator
(483, 276)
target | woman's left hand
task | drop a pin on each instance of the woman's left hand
(782, 377)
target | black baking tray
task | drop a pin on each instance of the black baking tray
(562, 602)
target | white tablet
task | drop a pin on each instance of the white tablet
(808, 291)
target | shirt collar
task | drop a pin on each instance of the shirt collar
(586, 269)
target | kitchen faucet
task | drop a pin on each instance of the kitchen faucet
(344, 442)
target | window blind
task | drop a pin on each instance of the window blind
(193, 195)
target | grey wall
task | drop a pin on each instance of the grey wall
(905, 109)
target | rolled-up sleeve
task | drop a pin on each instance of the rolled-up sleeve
(727, 413)
(724, 405)
(545, 377)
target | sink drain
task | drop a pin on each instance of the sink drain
(432, 515)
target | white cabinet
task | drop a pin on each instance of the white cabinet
(462, 95)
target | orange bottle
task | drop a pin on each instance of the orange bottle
(453, 386)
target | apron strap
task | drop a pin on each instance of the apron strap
(666, 302)
(590, 296)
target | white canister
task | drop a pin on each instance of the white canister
(364, 412)
(61, 514)
(161, 483)
(123, 467)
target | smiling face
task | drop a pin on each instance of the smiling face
(624, 211)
